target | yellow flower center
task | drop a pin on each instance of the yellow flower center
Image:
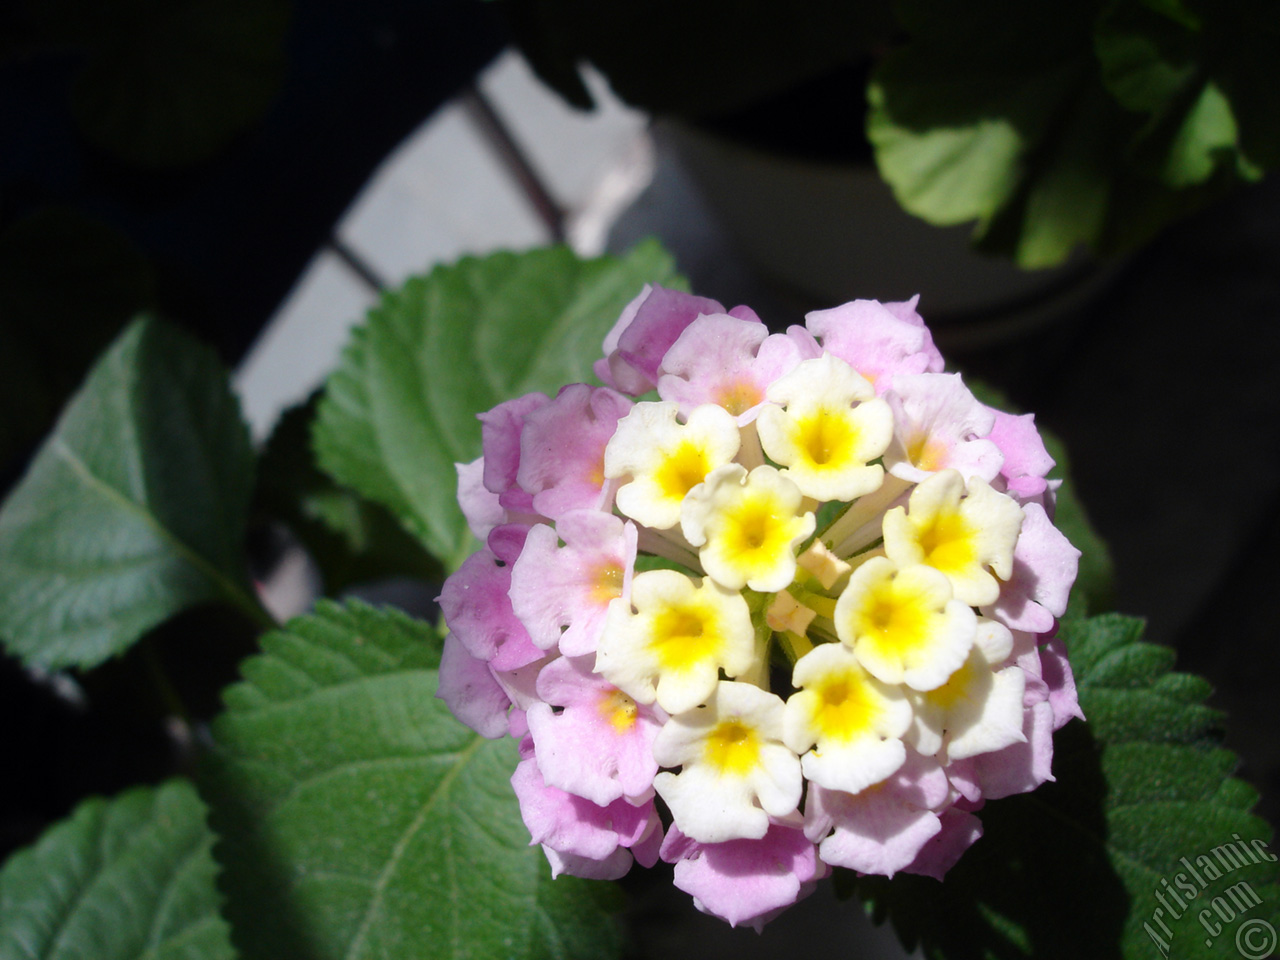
(894, 619)
(619, 709)
(925, 453)
(682, 470)
(680, 638)
(755, 531)
(738, 396)
(968, 681)
(732, 747)
(608, 584)
(824, 437)
(844, 710)
(948, 542)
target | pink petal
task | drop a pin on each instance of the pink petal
(558, 588)
(1044, 569)
(881, 829)
(519, 723)
(868, 337)
(624, 319)
(500, 430)
(724, 360)
(1061, 682)
(520, 684)
(875, 831)
(562, 449)
(939, 407)
(479, 505)
(478, 611)
(1035, 690)
(575, 826)
(613, 867)
(1021, 767)
(646, 330)
(1026, 461)
(963, 777)
(745, 881)
(647, 848)
(943, 851)
(906, 311)
(579, 749)
(472, 694)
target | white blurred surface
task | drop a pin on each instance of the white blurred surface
(302, 342)
(443, 193)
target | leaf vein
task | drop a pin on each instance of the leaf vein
(402, 844)
(230, 590)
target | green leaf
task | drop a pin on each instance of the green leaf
(997, 118)
(1205, 139)
(125, 879)
(1058, 127)
(133, 509)
(1147, 59)
(1157, 65)
(1241, 38)
(1074, 869)
(959, 112)
(361, 820)
(351, 539)
(1203, 76)
(171, 83)
(401, 409)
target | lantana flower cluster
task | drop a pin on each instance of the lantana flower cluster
(797, 612)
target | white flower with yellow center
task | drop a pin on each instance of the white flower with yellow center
(832, 426)
(735, 771)
(747, 526)
(967, 535)
(661, 459)
(674, 644)
(903, 625)
(979, 709)
(856, 721)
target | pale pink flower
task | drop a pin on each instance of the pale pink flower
(745, 882)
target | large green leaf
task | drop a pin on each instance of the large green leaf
(126, 879)
(133, 509)
(360, 820)
(401, 409)
(351, 539)
(1074, 869)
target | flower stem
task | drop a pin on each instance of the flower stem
(795, 645)
(860, 525)
(658, 543)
